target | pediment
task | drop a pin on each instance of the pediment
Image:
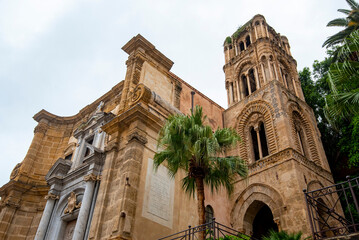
(59, 169)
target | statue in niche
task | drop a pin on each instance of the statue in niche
(71, 203)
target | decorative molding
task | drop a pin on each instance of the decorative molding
(52, 196)
(137, 135)
(15, 171)
(254, 111)
(41, 128)
(141, 92)
(72, 203)
(297, 116)
(137, 70)
(92, 177)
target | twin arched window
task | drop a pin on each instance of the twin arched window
(259, 141)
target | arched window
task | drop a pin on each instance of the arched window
(248, 41)
(252, 80)
(245, 89)
(209, 214)
(300, 135)
(241, 46)
(259, 141)
(230, 46)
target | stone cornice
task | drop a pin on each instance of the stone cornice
(138, 112)
(150, 50)
(52, 118)
(284, 156)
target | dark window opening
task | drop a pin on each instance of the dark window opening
(245, 86)
(252, 80)
(248, 41)
(263, 222)
(255, 144)
(209, 214)
(90, 140)
(230, 46)
(241, 46)
(88, 152)
(263, 138)
(68, 157)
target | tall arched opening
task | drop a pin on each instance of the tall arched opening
(259, 218)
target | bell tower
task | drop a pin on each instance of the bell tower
(280, 138)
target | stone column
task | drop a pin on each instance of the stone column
(235, 47)
(257, 78)
(295, 87)
(249, 85)
(264, 74)
(255, 32)
(45, 219)
(238, 91)
(270, 70)
(275, 72)
(266, 27)
(259, 142)
(80, 227)
(230, 93)
(262, 29)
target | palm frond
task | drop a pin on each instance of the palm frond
(339, 22)
(353, 4)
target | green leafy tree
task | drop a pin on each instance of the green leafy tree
(350, 24)
(344, 80)
(186, 143)
(282, 235)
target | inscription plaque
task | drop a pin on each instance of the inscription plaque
(159, 196)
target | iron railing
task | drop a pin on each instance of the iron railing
(333, 211)
(212, 230)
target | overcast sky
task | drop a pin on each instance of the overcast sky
(61, 55)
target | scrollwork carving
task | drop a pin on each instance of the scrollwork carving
(51, 196)
(15, 171)
(92, 177)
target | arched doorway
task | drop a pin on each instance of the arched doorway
(263, 223)
(259, 219)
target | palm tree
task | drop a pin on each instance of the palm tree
(344, 80)
(351, 23)
(190, 145)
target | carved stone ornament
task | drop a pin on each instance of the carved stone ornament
(71, 203)
(41, 128)
(51, 196)
(139, 93)
(15, 171)
(137, 135)
(92, 177)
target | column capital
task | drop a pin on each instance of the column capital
(52, 196)
(92, 177)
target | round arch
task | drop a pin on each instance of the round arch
(294, 108)
(264, 109)
(250, 201)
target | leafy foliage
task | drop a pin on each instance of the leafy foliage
(282, 235)
(350, 24)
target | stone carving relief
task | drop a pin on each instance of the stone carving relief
(138, 93)
(15, 171)
(72, 203)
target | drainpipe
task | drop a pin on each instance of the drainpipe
(192, 96)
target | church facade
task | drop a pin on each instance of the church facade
(90, 176)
